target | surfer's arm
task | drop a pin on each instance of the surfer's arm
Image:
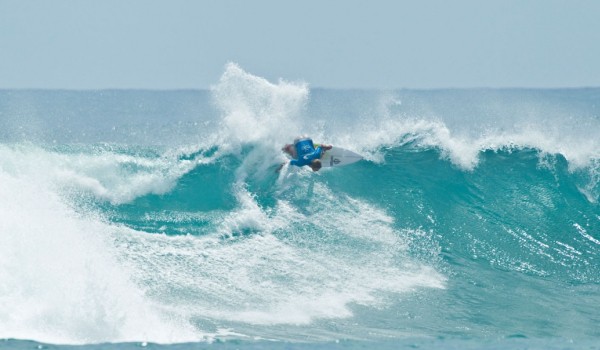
(290, 149)
(324, 147)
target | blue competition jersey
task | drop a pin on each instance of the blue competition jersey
(306, 153)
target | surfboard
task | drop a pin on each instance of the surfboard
(338, 156)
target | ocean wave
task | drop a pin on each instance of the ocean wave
(474, 212)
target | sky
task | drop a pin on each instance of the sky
(383, 44)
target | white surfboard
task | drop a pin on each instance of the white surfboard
(338, 156)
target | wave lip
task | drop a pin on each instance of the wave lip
(256, 110)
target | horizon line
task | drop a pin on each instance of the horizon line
(310, 88)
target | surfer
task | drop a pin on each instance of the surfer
(305, 152)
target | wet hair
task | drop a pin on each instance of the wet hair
(316, 165)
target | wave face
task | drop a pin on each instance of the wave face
(159, 216)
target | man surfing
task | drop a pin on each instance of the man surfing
(304, 152)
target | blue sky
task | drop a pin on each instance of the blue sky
(89, 44)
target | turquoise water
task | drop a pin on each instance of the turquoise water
(139, 218)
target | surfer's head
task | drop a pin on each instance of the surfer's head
(315, 165)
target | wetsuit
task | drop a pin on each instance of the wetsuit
(306, 152)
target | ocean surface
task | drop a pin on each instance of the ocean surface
(155, 219)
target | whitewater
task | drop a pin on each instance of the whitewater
(133, 218)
